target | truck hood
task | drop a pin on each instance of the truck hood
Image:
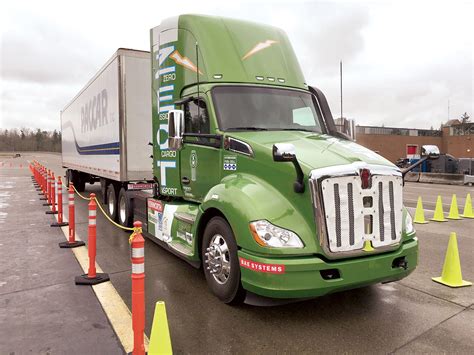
(313, 150)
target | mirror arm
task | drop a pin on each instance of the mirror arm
(299, 184)
(413, 166)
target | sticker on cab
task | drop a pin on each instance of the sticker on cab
(230, 163)
(155, 205)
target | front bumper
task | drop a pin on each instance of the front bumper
(301, 276)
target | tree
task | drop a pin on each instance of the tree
(25, 139)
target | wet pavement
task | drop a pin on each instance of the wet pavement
(41, 310)
(412, 315)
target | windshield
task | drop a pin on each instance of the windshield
(263, 108)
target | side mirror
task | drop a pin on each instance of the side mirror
(284, 152)
(430, 151)
(175, 129)
(427, 152)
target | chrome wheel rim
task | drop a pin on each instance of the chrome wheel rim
(218, 259)
(111, 203)
(122, 210)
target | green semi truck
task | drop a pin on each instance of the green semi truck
(252, 181)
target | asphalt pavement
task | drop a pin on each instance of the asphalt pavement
(42, 311)
(412, 315)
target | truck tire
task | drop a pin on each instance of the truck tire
(103, 190)
(112, 202)
(80, 183)
(125, 209)
(221, 263)
(68, 177)
(77, 180)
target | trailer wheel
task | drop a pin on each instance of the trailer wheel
(76, 178)
(103, 190)
(80, 183)
(125, 213)
(221, 263)
(112, 202)
(68, 177)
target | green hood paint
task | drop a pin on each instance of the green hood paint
(313, 150)
(265, 187)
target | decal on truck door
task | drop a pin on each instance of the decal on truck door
(175, 66)
(165, 75)
(161, 216)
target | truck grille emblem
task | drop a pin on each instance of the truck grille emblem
(365, 178)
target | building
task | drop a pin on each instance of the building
(455, 138)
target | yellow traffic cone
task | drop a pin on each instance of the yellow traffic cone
(160, 341)
(439, 214)
(368, 246)
(468, 213)
(419, 213)
(453, 210)
(451, 275)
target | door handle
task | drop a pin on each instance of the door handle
(185, 180)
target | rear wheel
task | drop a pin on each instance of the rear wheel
(103, 190)
(125, 214)
(112, 202)
(68, 177)
(78, 181)
(221, 264)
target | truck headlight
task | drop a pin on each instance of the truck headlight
(409, 228)
(269, 235)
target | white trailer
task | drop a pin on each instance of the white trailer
(106, 129)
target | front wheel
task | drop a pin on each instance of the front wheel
(221, 263)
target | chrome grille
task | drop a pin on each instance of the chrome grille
(342, 216)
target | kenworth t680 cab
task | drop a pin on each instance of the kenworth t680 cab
(252, 182)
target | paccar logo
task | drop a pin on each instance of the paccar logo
(155, 205)
(260, 267)
(94, 112)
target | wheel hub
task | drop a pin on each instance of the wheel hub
(217, 259)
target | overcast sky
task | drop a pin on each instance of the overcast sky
(403, 60)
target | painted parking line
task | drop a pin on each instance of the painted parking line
(114, 306)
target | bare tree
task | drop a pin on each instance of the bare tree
(25, 139)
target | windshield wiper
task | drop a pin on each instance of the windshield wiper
(247, 129)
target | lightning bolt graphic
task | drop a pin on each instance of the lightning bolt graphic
(258, 47)
(184, 61)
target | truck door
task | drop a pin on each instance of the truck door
(199, 157)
